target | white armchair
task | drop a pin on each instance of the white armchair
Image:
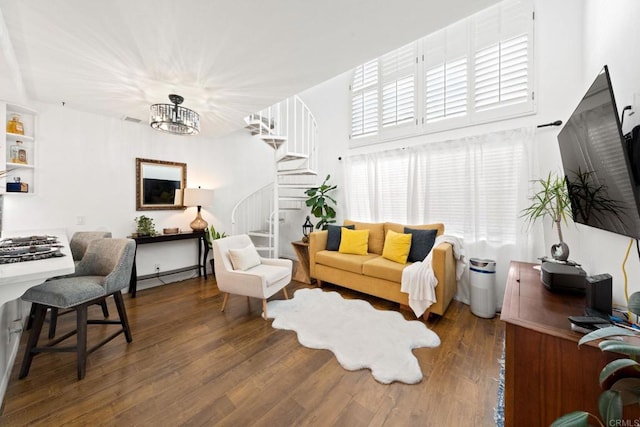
(253, 275)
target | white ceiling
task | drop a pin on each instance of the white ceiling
(226, 58)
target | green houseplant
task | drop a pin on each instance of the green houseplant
(551, 199)
(321, 202)
(619, 379)
(210, 236)
(145, 226)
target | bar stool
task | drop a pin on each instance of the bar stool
(104, 271)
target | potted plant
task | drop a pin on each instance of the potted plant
(551, 199)
(620, 379)
(210, 236)
(144, 226)
(320, 203)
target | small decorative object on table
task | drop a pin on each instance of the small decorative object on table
(307, 228)
(29, 248)
(173, 230)
(15, 125)
(144, 226)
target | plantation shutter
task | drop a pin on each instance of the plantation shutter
(502, 45)
(398, 85)
(364, 99)
(445, 75)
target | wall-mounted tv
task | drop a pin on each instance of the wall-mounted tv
(596, 164)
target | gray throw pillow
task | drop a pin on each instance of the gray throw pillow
(421, 243)
(335, 235)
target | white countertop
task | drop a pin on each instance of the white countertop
(16, 278)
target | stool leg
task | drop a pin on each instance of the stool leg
(105, 309)
(122, 312)
(32, 314)
(53, 322)
(39, 312)
(81, 347)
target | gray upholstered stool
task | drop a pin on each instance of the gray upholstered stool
(104, 271)
(78, 245)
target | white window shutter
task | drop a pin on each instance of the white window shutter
(398, 85)
(502, 39)
(445, 75)
(364, 99)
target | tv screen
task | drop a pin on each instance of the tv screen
(596, 165)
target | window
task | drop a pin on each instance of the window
(364, 101)
(475, 70)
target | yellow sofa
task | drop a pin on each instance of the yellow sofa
(374, 275)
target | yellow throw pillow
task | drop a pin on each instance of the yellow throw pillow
(354, 241)
(396, 247)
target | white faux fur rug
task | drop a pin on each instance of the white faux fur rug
(359, 335)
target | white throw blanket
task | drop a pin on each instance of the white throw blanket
(419, 280)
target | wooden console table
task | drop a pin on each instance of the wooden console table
(546, 374)
(203, 251)
(303, 272)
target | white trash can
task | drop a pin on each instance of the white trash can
(482, 278)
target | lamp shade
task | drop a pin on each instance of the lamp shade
(197, 197)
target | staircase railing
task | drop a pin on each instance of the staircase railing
(291, 129)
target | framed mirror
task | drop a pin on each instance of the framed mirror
(157, 184)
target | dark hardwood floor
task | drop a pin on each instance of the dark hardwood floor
(190, 364)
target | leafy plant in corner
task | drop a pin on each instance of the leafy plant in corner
(620, 379)
(319, 201)
(212, 235)
(145, 226)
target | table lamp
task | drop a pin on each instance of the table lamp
(198, 197)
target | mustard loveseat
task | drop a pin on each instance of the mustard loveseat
(375, 275)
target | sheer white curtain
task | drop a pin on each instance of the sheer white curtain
(475, 185)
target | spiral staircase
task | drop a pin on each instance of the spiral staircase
(291, 130)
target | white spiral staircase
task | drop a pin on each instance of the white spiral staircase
(290, 128)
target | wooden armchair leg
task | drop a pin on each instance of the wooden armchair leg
(224, 301)
(286, 295)
(264, 309)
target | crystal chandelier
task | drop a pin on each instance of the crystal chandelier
(172, 118)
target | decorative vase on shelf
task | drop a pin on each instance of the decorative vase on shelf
(15, 125)
(18, 153)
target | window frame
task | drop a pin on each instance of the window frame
(497, 24)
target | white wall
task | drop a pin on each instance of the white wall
(86, 168)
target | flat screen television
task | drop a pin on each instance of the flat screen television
(596, 163)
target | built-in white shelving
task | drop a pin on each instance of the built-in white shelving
(20, 165)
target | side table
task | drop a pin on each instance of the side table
(302, 272)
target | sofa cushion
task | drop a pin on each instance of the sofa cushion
(376, 234)
(421, 243)
(346, 262)
(383, 268)
(354, 242)
(334, 234)
(396, 246)
(399, 228)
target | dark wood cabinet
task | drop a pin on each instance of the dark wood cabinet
(546, 374)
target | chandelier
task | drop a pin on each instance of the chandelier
(172, 118)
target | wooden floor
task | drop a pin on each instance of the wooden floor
(190, 364)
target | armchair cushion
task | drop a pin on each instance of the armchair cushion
(245, 258)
